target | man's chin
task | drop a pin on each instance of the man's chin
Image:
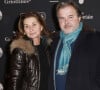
(67, 31)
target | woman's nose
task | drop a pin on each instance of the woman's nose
(31, 28)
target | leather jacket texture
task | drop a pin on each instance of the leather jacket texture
(28, 67)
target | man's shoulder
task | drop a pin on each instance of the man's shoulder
(55, 34)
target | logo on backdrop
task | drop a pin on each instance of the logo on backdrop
(1, 52)
(1, 15)
(43, 15)
(16, 1)
(81, 1)
(1, 86)
(87, 16)
(53, 1)
(84, 14)
(9, 38)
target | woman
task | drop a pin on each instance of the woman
(30, 54)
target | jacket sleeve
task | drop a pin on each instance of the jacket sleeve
(15, 70)
(98, 75)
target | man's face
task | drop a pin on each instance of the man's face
(68, 19)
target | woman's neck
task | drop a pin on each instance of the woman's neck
(36, 41)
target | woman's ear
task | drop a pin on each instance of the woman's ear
(24, 33)
(41, 28)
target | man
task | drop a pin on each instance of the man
(76, 60)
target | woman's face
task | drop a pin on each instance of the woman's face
(32, 27)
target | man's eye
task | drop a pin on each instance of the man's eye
(71, 17)
(61, 19)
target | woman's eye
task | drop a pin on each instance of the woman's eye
(25, 26)
(34, 25)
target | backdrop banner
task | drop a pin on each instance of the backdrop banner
(10, 9)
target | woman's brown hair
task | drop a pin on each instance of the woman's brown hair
(41, 20)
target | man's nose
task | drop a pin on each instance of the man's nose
(66, 20)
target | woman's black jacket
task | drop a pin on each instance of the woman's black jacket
(28, 67)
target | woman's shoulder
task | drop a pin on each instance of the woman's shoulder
(46, 40)
(22, 44)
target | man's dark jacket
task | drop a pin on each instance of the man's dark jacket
(84, 66)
